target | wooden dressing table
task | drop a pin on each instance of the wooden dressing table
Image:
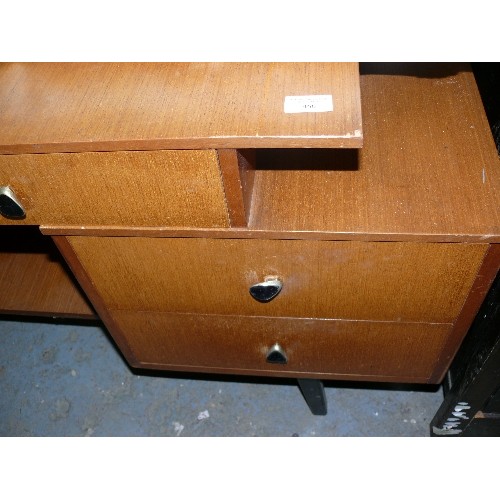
(210, 231)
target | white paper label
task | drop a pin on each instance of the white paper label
(308, 103)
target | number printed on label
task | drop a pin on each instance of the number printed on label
(308, 103)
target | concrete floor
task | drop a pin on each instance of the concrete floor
(67, 379)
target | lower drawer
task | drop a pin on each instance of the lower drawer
(403, 352)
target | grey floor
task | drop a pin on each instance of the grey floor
(67, 379)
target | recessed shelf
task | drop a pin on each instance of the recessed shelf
(422, 170)
(34, 279)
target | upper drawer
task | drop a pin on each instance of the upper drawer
(425, 282)
(133, 188)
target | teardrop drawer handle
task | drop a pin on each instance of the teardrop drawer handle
(10, 206)
(267, 290)
(276, 355)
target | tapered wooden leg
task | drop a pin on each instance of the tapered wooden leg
(314, 394)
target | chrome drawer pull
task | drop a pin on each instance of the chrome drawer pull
(276, 355)
(267, 290)
(10, 206)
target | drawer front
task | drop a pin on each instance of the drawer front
(134, 188)
(400, 282)
(330, 348)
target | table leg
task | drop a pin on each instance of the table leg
(314, 394)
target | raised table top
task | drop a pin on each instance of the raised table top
(75, 107)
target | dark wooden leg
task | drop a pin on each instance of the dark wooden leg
(314, 394)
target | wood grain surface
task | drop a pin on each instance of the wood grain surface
(428, 165)
(75, 107)
(234, 188)
(85, 282)
(326, 349)
(35, 280)
(343, 280)
(428, 169)
(428, 172)
(173, 188)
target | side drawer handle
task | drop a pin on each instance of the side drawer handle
(10, 206)
(276, 355)
(267, 290)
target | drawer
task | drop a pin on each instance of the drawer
(426, 282)
(134, 188)
(326, 348)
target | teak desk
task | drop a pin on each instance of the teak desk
(211, 231)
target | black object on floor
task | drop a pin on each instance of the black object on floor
(472, 403)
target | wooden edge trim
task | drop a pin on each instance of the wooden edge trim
(477, 294)
(251, 233)
(282, 374)
(236, 142)
(53, 315)
(233, 187)
(247, 162)
(66, 249)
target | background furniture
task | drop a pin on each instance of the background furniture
(472, 403)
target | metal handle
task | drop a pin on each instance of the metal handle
(10, 206)
(267, 290)
(276, 355)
